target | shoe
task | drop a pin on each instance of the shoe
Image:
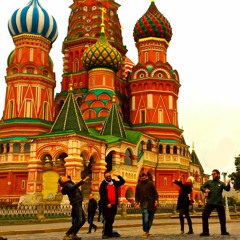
(190, 232)
(149, 234)
(145, 234)
(225, 233)
(67, 237)
(75, 237)
(204, 234)
(95, 228)
(88, 232)
(105, 236)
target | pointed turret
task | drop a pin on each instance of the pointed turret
(195, 159)
(70, 116)
(114, 124)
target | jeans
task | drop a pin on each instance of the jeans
(90, 221)
(147, 219)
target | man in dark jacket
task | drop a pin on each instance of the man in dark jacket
(213, 189)
(109, 199)
(75, 197)
(91, 209)
(146, 197)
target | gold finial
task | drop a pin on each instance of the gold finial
(114, 98)
(102, 24)
(193, 146)
(152, 1)
(71, 84)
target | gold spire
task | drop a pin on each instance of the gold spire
(102, 24)
(193, 146)
(114, 98)
(71, 84)
(152, 1)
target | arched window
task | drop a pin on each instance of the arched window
(27, 148)
(149, 146)
(128, 158)
(1, 148)
(160, 148)
(16, 147)
(140, 148)
(175, 150)
(168, 149)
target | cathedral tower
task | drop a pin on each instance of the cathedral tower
(30, 78)
(154, 85)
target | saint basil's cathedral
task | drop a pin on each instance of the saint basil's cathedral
(110, 113)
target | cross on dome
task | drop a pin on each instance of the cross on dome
(102, 24)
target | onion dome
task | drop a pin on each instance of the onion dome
(102, 55)
(33, 19)
(152, 24)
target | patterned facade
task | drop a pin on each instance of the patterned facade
(110, 114)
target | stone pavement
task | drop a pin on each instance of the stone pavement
(163, 228)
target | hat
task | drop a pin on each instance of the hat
(191, 179)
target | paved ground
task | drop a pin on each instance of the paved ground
(129, 229)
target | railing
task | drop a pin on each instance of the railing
(50, 211)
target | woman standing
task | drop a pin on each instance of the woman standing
(184, 201)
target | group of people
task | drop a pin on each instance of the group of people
(146, 198)
(213, 189)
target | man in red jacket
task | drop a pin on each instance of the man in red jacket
(109, 199)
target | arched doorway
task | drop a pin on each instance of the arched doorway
(108, 160)
(50, 185)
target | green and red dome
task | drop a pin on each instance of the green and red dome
(152, 24)
(102, 55)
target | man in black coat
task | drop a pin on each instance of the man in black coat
(146, 197)
(109, 200)
(75, 197)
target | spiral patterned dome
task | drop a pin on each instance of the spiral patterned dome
(102, 55)
(152, 24)
(33, 19)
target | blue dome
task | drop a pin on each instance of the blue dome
(33, 19)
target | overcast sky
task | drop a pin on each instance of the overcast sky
(205, 50)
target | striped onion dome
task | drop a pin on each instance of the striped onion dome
(33, 19)
(152, 24)
(102, 55)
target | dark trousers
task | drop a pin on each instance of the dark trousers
(184, 210)
(109, 216)
(78, 219)
(90, 221)
(221, 215)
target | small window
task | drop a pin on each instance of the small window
(142, 112)
(30, 70)
(23, 184)
(165, 181)
(45, 73)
